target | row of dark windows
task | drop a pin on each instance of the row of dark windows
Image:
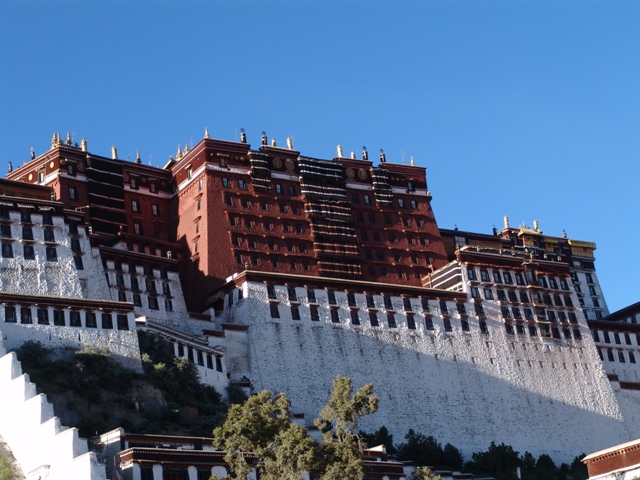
(522, 296)
(267, 225)
(392, 237)
(245, 202)
(621, 355)
(275, 261)
(272, 245)
(199, 357)
(29, 253)
(372, 218)
(528, 278)
(59, 318)
(25, 215)
(135, 208)
(133, 270)
(401, 202)
(616, 337)
(150, 284)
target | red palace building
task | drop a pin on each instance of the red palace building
(222, 207)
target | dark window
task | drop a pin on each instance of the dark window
(610, 355)
(496, 277)
(507, 278)
(153, 303)
(25, 216)
(273, 307)
(443, 308)
(311, 295)
(10, 314)
(553, 284)
(74, 319)
(27, 233)
(200, 358)
(242, 185)
(5, 231)
(73, 193)
(225, 182)
(29, 253)
(483, 327)
(524, 298)
(411, 323)
(166, 289)
(315, 316)
(122, 296)
(428, 322)
(632, 358)
(505, 312)
(516, 313)
(335, 316)
(479, 309)
(509, 328)
(355, 319)
(488, 294)
(471, 272)
(137, 300)
(332, 297)
(475, 293)
(484, 275)
(447, 324)
(295, 312)
(43, 316)
(391, 318)
(52, 255)
(218, 364)
(78, 262)
(151, 286)
(25, 315)
(168, 305)
(90, 320)
(107, 321)
(533, 331)
(462, 310)
(519, 279)
(465, 325)
(351, 299)
(502, 296)
(123, 322)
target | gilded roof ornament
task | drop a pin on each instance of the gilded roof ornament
(179, 153)
(206, 132)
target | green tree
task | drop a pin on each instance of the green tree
(579, 469)
(262, 426)
(338, 422)
(451, 458)
(6, 472)
(500, 461)
(420, 450)
(381, 437)
(424, 473)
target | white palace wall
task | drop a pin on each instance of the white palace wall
(42, 447)
(466, 388)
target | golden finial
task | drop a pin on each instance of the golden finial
(53, 140)
(186, 148)
(114, 152)
(206, 132)
(138, 159)
(83, 144)
(68, 137)
(412, 161)
(339, 149)
(179, 153)
(289, 143)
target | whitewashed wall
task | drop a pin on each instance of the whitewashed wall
(42, 447)
(466, 388)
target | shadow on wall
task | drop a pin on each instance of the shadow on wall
(464, 389)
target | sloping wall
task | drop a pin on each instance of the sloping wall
(42, 447)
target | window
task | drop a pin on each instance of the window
(123, 322)
(25, 315)
(154, 210)
(29, 253)
(225, 182)
(78, 262)
(411, 323)
(391, 319)
(447, 324)
(496, 277)
(74, 319)
(513, 297)
(632, 358)
(401, 203)
(589, 278)
(509, 328)
(524, 298)
(107, 321)
(502, 296)
(47, 218)
(471, 273)
(292, 190)
(332, 297)
(484, 275)
(137, 228)
(505, 312)
(488, 294)
(355, 319)
(533, 331)
(475, 293)
(367, 200)
(242, 184)
(151, 286)
(43, 316)
(137, 300)
(90, 320)
(428, 322)
(49, 236)
(414, 205)
(122, 296)
(153, 303)
(5, 231)
(516, 313)
(464, 324)
(553, 283)
(73, 193)
(7, 251)
(58, 318)
(133, 183)
(275, 312)
(313, 310)
(479, 309)
(27, 233)
(52, 255)
(483, 327)
(519, 279)
(335, 315)
(507, 278)
(135, 206)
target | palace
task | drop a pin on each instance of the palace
(271, 270)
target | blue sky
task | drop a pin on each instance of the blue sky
(523, 108)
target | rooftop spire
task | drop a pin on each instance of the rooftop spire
(179, 153)
(339, 148)
(206, 132)
(138, 160)
(243, 136)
